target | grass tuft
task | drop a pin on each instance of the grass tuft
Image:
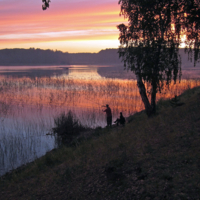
(67, 127)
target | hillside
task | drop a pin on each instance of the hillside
(150, 158)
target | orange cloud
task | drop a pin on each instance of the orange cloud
(83, 21)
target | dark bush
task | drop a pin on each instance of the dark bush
(67, 127)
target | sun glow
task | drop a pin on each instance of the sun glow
(77, 26)
(71, 46)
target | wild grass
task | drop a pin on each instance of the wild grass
(149, 158)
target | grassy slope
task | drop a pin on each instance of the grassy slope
(156, 158)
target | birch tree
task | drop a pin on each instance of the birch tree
(151, 39)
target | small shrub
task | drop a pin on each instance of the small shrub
(176, 102)
(67, 127)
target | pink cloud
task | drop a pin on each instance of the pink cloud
(26, 18)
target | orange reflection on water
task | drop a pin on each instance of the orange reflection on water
(121, 95)
(82, 93)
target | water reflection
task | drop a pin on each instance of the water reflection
(33, 71)
(28, 106)
(85, 73)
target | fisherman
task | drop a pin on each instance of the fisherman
(108, 115)
(121, 120)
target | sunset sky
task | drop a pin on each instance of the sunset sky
(67, 25)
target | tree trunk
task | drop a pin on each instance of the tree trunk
(153, 97)
(155, 77)
(143, 95)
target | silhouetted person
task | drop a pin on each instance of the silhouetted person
(121, 120)
(108, 115)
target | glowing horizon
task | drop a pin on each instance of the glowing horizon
(78, 26)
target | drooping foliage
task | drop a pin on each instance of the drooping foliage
(192, 27)
(151, 39)
(45, 4)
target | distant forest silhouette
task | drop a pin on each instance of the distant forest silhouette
(31, 57)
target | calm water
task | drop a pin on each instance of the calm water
(31, 97)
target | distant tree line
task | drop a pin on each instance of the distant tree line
(108, 56)
(33, 56)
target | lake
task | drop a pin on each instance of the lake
(31, 97)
